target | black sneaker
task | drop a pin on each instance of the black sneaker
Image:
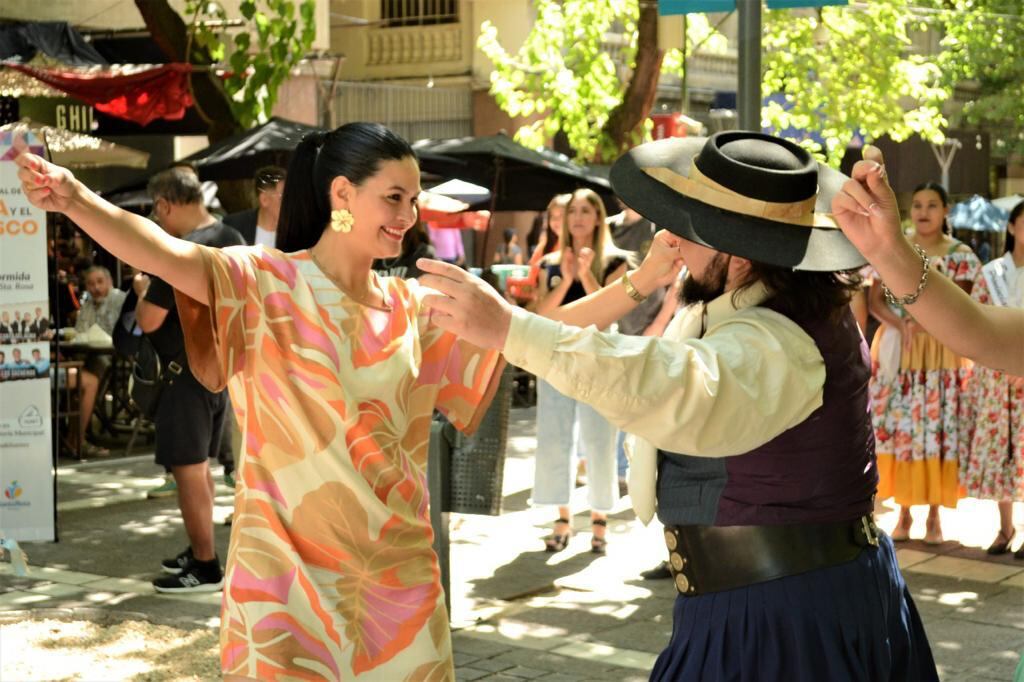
(177, 564)
(659, 572)
(197, 576)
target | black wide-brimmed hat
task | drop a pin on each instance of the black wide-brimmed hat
(747, 194)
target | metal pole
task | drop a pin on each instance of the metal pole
(748, 92)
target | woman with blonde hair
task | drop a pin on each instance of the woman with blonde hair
(586, 260)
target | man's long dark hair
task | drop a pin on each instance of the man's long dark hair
(802, 294)
(1010, 239)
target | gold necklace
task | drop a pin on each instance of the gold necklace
(383, 295)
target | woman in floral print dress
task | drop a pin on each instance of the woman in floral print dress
(919, 409)
(992, 464)
(335, 373)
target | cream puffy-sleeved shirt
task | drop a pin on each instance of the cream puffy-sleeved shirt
(750, 376)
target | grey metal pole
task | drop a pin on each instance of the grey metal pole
(748, 91)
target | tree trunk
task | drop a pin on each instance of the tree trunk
(625, 124)
(170, 33)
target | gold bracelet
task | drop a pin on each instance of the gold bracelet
(910, 299)
(631, 291)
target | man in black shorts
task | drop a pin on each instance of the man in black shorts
(189, 419)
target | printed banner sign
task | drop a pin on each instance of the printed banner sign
(26, 456)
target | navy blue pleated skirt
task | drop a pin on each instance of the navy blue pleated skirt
(854, 621)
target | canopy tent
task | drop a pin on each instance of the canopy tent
(978, 214)
(78, 150)
(239, 156)
(520, 178)
(140, 92)
(463, 191)
(1008, 203)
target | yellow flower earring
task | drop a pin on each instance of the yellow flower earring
(341, 220)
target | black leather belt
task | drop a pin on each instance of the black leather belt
(706, 559)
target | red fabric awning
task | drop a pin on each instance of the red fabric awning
(139, 96)
(476, 220)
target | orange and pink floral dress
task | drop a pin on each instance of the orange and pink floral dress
(330, 570)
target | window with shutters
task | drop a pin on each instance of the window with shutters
(419, 12)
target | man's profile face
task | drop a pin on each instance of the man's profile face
(36, 354)
(39, 312)
(6, 317)
(16, 354)
(707, 273)
(98, 284)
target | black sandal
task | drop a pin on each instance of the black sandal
(556, 542)
(997, 547)
(599, 545)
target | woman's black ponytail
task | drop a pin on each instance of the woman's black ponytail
(301, 206)
(355, 150)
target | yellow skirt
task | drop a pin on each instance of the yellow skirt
(918, 418)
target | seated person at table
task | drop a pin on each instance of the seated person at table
(101, 305)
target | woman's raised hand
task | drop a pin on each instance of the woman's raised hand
(46, 185)
(568, 266)
(866, 209)
(584, 260)
(664, 260)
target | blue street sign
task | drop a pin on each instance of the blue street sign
(787, 4)
(670, 7)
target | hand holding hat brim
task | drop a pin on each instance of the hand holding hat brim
(866, 209)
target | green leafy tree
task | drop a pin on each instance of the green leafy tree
(983, 44)
(585, 84)
(262, 55)
(844, 71)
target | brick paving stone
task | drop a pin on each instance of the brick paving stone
(525, 673)
(493, 665)
(468, 674)
(501, 677)
(481, 648)
(624, 675)
(463, 659)
(553, 662)
(562, 677)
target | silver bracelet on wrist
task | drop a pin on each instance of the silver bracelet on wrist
(910, 299)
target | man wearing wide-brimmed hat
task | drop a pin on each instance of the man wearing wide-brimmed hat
(752, 410)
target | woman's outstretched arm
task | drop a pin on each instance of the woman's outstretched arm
(867, 213)
(132, 238)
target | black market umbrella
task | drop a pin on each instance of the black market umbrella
(520, 178)
(239, 156)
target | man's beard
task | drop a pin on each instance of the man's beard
(709, 287)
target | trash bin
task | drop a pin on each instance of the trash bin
(465, 473)
(477, 465)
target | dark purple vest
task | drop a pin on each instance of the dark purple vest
(820, 471)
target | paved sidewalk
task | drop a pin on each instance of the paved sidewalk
(517, 612)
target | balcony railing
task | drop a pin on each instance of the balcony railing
(415, 45)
